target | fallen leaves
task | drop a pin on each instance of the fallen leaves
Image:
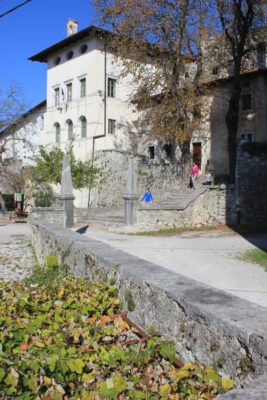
(67, 342)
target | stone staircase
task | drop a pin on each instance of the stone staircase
(163, 200)
(175, 199)
(100, 216)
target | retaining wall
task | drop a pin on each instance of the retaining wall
(208, 325)
(252, 183)
(211, 207)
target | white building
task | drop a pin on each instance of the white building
(87, 99)
(20, 141)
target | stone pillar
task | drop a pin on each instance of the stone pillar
(66, 193)
(131, 196)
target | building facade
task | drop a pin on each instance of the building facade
(88, 104)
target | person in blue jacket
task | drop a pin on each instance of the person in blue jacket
(147, 198)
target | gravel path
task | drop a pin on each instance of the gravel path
(16, 254)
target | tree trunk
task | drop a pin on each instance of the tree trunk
(186, 159)
(232, 122)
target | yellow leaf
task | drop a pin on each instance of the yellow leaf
(47, 381)
(227, 383)
(60, 292)
(165, 390)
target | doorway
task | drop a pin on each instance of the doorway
(197, 154)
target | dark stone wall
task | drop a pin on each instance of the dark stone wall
(252, 183)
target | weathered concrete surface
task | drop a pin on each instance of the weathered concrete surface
(211, 257)
(208, 325)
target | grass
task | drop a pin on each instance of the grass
(179, 230)
(256, 256)
(231, 229)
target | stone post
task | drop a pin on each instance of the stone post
(66, 193)
(131, 196)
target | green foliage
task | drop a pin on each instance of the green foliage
(48, 168)
(64, 339)
(9, 201)
(48, 274)
(43, 198)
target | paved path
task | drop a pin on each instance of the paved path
(208, 257)
(16, 254)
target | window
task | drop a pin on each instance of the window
(246, 137)
(70, 129)
(261, 55)
(83, 49)
(215, 69)
(246, 102)
(57, 60)
(83, 127)
(167, 151)
(69, 91)
(42, 122)
(69, 55)
(57, 132)
(111, 126)
(56, 94)
(151, 151)
(111, 87)
(231, 66)
(246, 84)
(83, 87)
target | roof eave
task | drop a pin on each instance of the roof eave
(89, 31)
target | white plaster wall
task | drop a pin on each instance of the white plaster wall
(24, 141)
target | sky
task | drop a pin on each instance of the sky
(29, 30)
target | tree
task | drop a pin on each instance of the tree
(158, 42)
(12, 107)
(240, 22)
(47, 168)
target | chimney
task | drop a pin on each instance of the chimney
(72, 26)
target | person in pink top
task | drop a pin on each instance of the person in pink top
(194, 172)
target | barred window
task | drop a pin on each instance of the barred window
(69, 91)
(246, 102)
(111, 126)
(83, 87)
(111, 87)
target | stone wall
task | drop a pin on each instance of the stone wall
(251, 183)
(153, 174)
(48, 214)
(208, 209)
(208, 325)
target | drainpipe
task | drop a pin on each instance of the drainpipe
(105, 115)
(237, 198)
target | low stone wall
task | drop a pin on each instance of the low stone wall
(208, 325)
(48, 214)
(209, 208)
